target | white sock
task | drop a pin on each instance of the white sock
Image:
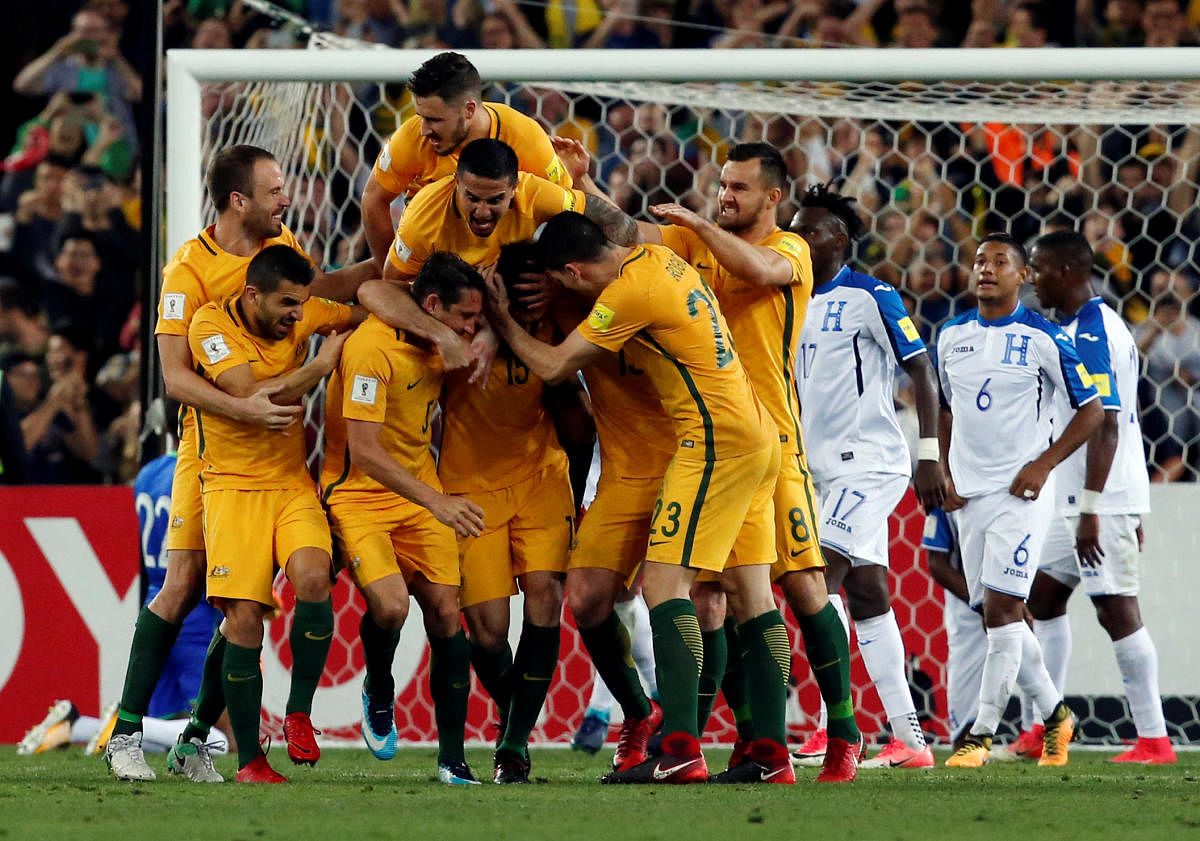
(1138, 660)
(83, 728)
(1033, 678)
(1028, 716)
(882, 651)
(999, 674)
(601, 699)
(641, 641)
(161, 733)
(1054, 636)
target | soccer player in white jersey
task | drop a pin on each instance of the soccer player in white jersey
(855, 333)
(966, 641)
(999, 367)
(1102, 490)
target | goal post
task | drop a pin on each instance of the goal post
(1106, 141)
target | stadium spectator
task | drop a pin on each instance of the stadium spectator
(59, 432)
(22, 320)
(12, 442)
(1169, 341)
(38, 213)
(1165, 25)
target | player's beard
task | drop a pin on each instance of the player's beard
(263, 225)
(741, 221)
(455, 140)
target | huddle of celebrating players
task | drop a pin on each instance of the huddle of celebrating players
(703, 348)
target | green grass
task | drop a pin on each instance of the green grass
(351, 796)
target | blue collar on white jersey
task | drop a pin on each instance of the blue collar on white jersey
(1094, 301)
(1004, 320)
(842, 274)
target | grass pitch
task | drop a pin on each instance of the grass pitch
(349, 796)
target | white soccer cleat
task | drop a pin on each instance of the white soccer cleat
(51, 732)
(126, 760)
(193, 759)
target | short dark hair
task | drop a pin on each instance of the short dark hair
(518, 258)
(1070, 245)
(771, 163)
(448, 75)
(77, 234)
(77, 335)
(489, 158)
(571, 237)
(275, 263)
(17, 297)
(232, 171)
(446, 275)
(1009, 240)
(824, 197)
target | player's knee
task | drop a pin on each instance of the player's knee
(543, 599)
(1118, 616)
(441, 618)
(589, 605)
(391, 615)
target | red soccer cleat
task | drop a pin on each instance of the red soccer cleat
(260, 771)
(635, 733)
(841, 761)
(811, 754)
(301, 739)
(1027, 746)
(741, 747)
(1156, 751)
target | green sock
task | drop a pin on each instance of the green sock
(450, 685)
(379, 649)
(608, 645)
(494, 670)
(153, 637)
(712, 670)
(242, 676)
(678, 654)
(312, 633)
(210, 699)
(532, 672)
(829, 658)
(733, 686)
(767, 662)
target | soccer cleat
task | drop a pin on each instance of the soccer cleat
(975, 753)
(193, 759)
(841, 760)
(593, 730)
(53, 731)
(1157, 751)
(510, 768)
(260, 771)
(635, 734)
(126, 760)
(456, 774)
(379, 726)
(899, 755)
(99, 740)
(1060, 730)
(741, 748)
(301, 739)
(762, 761)
(1027, 746)
(811, 754)
(681, 762)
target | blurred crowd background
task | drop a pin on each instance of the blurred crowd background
(72, 291)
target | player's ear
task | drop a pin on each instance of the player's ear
(432, 303)
(469, 108)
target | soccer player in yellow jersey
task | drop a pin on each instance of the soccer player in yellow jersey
(426, 147)
(261, 508)
(394, 526)
(713, 510)
(763, 279)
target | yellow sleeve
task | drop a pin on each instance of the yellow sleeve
(794, 249)
(181, 297)
(366, 372)
(535, 152)
(216, 342)
(324, 316)
(415, 234)
(618, 314)
(683, 241)
(397, 165)
(547, 200)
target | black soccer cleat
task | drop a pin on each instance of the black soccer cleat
(510, 768)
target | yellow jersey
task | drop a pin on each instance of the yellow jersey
(407, 163)
(660, 302)
(494, 438)
(765, 320)
(635, 434)
(433, 222)
(245, 456)
(382, 377)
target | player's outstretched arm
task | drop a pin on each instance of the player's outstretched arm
(377, 221)
(754, 264)
(1101, 449)
(930, 477)
(1030, 478)
(552, 363)
(186, 386)
(289, 388)
(618, 227)
(369, 456)
(342, 284)
(396, 308)
(951, 501)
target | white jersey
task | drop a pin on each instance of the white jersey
(855, 332)
(998, 379)
(1110, 356)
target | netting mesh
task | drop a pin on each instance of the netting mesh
(933, 166)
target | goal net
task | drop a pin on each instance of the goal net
(934, 165)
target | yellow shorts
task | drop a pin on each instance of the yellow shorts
(530, 527)
(250, 533)
(796, 519)
(613, 534)
(390, 535)
(714, 514)
(185, 529)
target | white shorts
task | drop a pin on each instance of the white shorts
(966, 642)
(1001, 538)
(1118, 572)
(854, 514)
